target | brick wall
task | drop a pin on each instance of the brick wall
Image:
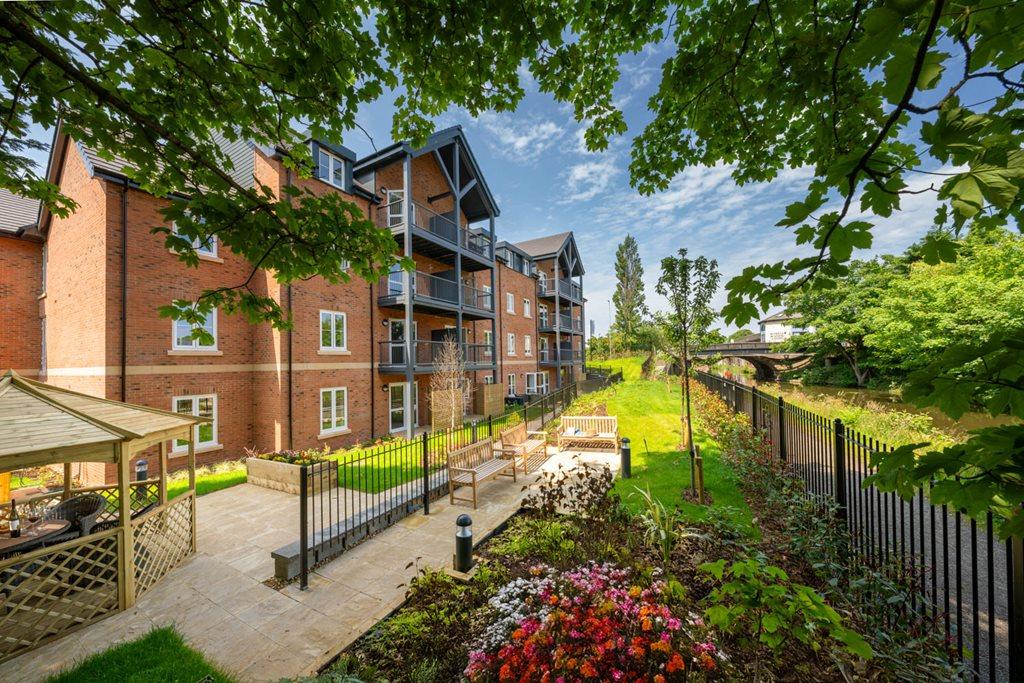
(20, 308)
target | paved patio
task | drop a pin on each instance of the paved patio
(218, 601)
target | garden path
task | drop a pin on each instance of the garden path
(218, 600)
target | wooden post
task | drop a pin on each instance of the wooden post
(699, 461)
(162, 469)
(67, 481)
(124, 502)
(192, 483)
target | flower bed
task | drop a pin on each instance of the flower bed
(282, 470)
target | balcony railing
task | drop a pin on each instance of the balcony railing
(566, 323)
(566, 288)
(565, 355)
(392, 216)
(427, 353)
(437, 288)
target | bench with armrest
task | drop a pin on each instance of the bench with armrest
(476, 463)
(519, 443)
(589, 431)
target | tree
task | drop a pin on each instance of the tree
(839, 315)
(448, 385)
(629, 299)
(739, 334)
(688, 285)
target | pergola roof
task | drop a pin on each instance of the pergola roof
(42, 424)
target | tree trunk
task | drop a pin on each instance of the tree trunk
(686, 412)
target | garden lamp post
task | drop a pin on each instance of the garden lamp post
(463, 543)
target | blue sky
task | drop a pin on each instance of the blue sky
(546, 181)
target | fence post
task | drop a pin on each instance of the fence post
(839, 466)
(1016, 550)
(490, 426)
(426, 476)
(753, 410)
(472, 427)
(782, 429)
(304, 527)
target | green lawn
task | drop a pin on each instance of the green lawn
(161, 656)
(648, 413)
(207, 482)
(630, 366)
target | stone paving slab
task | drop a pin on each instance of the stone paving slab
(219, 603)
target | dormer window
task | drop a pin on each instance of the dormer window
(331, 168)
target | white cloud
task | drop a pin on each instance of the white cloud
(522, 140)
(588, 179)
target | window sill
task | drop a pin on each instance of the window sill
(208, 448)
(334, 352)
(209, 258)
(333, 433)
(195, 352)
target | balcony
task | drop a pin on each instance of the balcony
(566, 289)
(566, 356)
(436, 294)
(566, 324)
(438, 235)
(426, 354)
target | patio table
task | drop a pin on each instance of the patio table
(32, 536)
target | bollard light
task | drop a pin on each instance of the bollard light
(463, 544)
(141, 470)
(626, 452)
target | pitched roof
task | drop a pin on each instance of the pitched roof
(42, 424)
(544, 246)
(17, 213)
(779, 317)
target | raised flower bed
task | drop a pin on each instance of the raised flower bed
(282, 470)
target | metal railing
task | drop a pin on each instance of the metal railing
(566, 288)
(427, 353)
(436, 288)
(392, 216)
(354, 494)
(564, 355)
(963, 580)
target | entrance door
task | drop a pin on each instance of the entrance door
(396, 286)
(397, 340)
(396, 406)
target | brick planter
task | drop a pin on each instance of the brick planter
(282, 476)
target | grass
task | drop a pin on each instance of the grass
(630, 366)
(159, 656)
(648, 413)
(208, 479)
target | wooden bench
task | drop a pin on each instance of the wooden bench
(589, 431)
(475, 463)
(519, 443)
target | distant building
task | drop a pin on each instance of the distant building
(780, 327)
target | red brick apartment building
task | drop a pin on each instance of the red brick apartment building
(79, 299)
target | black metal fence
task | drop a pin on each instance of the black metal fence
(961, 578)
(357, 493)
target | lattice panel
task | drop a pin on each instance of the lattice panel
(162, 541)
(45, 594)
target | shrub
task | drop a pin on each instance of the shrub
(306, 456)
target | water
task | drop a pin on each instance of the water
(889, 400)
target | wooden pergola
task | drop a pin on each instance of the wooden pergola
(139, 534)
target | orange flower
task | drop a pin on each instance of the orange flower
(676, 663)
(588, 670)
(658, 678)
(553, 600)
(646, 625)
(661, 646)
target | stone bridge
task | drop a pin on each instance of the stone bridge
(767, 359)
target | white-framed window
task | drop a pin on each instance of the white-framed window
(181, 334)
(203, 248)
(331, 168)
(511, 344)
(527, 345)
(201, 406)
(488, 379)
(333, 410)
(333, 331)
(511, 384)
(531, 383)
(510, 302)
(527, 308)
(542, 314)
(489, 342)
(396, 207)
